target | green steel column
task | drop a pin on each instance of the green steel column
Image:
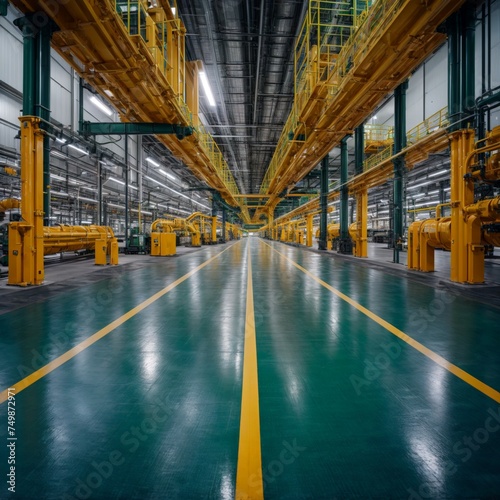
(454, 97)
(322, 243)
(359, 149)
(29, 63)
(45, 36)
(469, 53)
(80, 105)
(126, 191)
(399, 144)
(99, 193)
(345, 243)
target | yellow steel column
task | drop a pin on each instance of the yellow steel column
(270, 224)
(309, 229)
(362, 221)
(475, 250)
(26, 253)
(462, 194)
(214, 229)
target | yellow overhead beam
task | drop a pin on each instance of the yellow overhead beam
(395, 37)
(138, 63)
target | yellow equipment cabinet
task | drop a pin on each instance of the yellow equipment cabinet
(163, 244)
(167, 244)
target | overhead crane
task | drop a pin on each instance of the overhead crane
(338, 89)
(134, 57)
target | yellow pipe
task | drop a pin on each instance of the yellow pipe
(487, 210)
(9, 204)
(63, 238)
(161, 225)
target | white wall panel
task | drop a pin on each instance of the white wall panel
(11, 55)
(415, 99)
(495, 44)
(436, 82)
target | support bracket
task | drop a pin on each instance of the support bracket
(112, 128)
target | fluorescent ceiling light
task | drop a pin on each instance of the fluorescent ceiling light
(117, 181)
(97, 102)
(76, 148)
(150, 160)
(176, 192)
(174, 208)
(429, 204)
(62, 141)
(58, 154)
(142, 211)
(206, 87)
(440, 172)
(108, 93)
(421, 185)
(170, 176)
(122, 183)
(57, 177)
(91, 200)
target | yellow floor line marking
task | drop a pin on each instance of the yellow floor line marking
(466, 377)
(56, 363)
(249, 473)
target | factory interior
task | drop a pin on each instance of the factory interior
(249, 249)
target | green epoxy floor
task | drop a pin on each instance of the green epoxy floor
(347, 409)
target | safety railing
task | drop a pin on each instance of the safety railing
(327, 28)
(378, 158)
(378, 133)
(326, 34)
(435, 122)
(164, 38)
(379, 16)
(217, 160)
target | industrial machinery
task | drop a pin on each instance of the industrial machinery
(4, 244)
(7, 205)
(430, 234)
(163, 234)
(99, 239)
(474, 225)
(138, 243)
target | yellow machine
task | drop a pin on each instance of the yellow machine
(163, 237)
(471, 225)
(100, 239)
(29, 240)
